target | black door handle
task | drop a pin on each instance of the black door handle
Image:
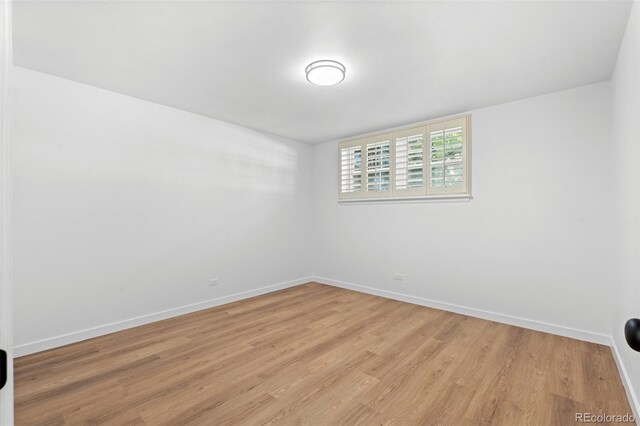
(632, 333)
(3, 368)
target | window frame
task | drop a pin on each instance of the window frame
(426, 191)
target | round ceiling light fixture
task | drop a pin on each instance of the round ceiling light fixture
(325, 72)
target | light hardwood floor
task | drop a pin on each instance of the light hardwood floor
(315, 354)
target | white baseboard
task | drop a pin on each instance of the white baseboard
(77, 336)
(626, 381)
(602, 339)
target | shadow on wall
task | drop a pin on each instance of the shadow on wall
(255, 164)
(251, 164)
(227, 161)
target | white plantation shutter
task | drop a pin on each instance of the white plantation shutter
(378, 166)
(409, 162)
(427, 160)
(351, 170)
(447, 157)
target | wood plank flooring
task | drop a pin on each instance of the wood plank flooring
(315, 354)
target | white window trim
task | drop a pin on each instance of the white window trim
(426, 193)
(409, 199)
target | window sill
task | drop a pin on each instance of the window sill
(412, 199)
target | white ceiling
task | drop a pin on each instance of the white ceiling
(243, 62)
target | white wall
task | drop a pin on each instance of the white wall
(6, 284)
(626, 138)
(535, 242)
(125, 208)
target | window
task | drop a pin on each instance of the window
(422, 161)
(378, 152)
(350, 169)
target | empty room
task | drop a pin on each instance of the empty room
(319, 212)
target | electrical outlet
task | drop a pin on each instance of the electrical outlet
(398, 277)
(213, 282)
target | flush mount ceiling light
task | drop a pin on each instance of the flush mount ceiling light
(325, 72)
